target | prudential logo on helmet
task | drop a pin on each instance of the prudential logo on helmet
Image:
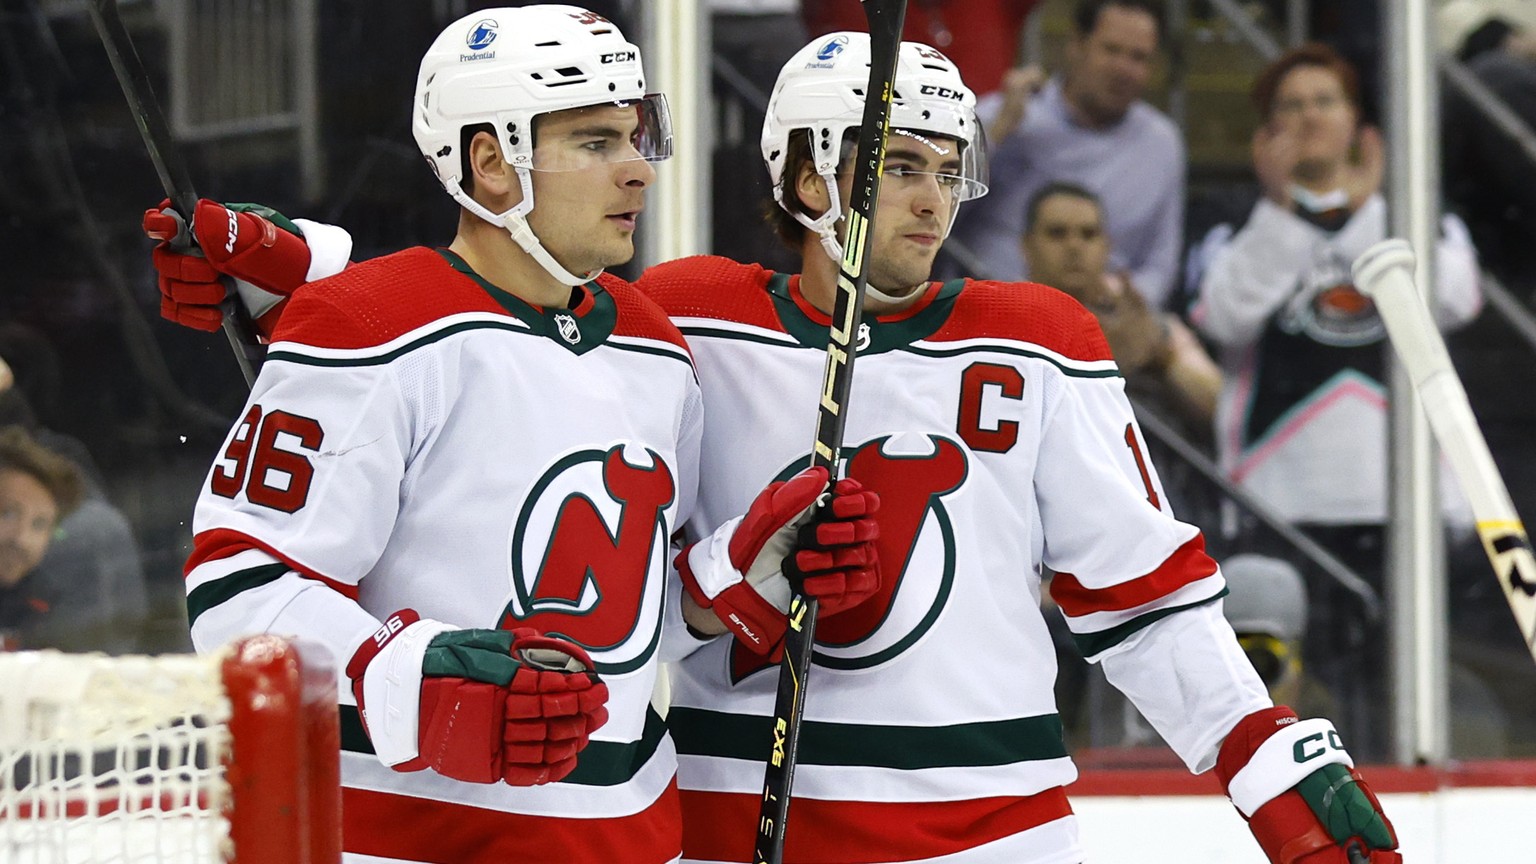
(483, 34)
(826, 53)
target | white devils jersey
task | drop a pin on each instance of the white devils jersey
(992, 421)
(418, 438)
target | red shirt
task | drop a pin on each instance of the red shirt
(980, 36)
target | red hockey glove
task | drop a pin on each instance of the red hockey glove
(482, 706)
(1298, 789)
(255, 245)
(742, 571)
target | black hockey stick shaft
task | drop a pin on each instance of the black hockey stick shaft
(168, 164)
(885, 22)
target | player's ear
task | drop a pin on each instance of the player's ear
(811, 189)
(495, 180)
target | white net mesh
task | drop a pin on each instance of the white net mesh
(112, 759)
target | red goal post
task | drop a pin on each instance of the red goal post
(233, 756)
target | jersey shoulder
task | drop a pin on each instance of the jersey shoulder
(638, 315)
(709, 286)
(1025, 312)
(378, 300)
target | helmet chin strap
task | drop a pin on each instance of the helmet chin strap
(824, 225)
(516, 223)
(874, 293)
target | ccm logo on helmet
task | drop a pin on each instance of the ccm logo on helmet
(941, 92)
(618, 57)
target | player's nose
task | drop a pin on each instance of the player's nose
(637, 173)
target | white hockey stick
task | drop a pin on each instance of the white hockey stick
(1385, 273)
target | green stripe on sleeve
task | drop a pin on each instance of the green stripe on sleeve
(210, 594)
(701, 732)
(1092, 644)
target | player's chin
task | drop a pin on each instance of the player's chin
(619, 252)
(910, 269)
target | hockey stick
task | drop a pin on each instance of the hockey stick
(168, 165)
(885, 22)
(1385, 273)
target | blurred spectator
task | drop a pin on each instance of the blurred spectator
(1266, 605)
(1488, 176)
(1163, 363)
(1302, 419)
(981, 36)
(92, 577)
(1088, 125)
(38, 488)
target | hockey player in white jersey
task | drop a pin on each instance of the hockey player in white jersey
(460, 470)
(993, 421)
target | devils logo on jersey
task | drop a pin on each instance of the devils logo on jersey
(912, 473)
(589, 551)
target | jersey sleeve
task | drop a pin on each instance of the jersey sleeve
(1121, 560)
(1188, 676)
(303, 498)
(677, 641)
(1135, 585)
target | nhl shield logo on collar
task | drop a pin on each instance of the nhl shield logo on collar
(566, 324)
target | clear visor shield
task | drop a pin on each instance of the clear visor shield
(958, 165)
(577, 139)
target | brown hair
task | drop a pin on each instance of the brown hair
(1311, 54)
(1051, 190)
(1085, 16)
(19, 452)
(797, 156)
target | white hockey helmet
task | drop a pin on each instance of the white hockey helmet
(821, 89)
(506, 66)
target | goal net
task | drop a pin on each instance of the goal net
(180, 758)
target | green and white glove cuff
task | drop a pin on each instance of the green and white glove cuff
(1285, 759)
(392, 691)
